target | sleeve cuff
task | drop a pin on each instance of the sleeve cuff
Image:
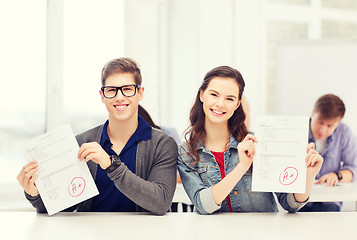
(207, 201)
(31, 198)
(293, 203)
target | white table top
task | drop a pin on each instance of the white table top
(30, 225)
(344, 192)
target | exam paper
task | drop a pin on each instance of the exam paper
(63, 179)
(279, 164)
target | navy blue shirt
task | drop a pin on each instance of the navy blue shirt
(110, 199)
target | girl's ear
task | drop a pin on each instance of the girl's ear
(201, 96)
(238, 104)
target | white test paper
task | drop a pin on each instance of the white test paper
(63, 179)
(279, 164)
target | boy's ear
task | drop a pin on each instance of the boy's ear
(101, 95)
(141, 93)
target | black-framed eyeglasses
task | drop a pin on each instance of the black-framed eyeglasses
(126, 90)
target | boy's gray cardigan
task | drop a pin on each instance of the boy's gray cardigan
(151, 188)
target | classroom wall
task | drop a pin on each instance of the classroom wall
(307, 70)
(207, 34)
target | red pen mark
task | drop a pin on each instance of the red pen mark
(288, 176)
(77, 186)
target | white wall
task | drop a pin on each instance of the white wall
(209, 33)
(309, 69)
(184, 60)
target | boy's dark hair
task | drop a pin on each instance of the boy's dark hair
(330, 106)
(121, 65)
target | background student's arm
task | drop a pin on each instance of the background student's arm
(348, 157)
(347, 175)
(348, 151)
(331, 179)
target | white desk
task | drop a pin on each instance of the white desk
(29, 225)
(344, 192)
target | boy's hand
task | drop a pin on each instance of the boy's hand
(27, 178)
(94, 152)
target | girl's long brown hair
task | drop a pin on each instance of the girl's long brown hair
(196, 131)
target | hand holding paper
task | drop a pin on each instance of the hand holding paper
(94, 152)
(27, 178)
(313, 161)
(246, 150)
(280, 163)
(63, 180)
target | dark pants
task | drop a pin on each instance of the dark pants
(320, 207)
(185, 207)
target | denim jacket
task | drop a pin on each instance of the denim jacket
(198, 179)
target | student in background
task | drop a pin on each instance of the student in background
(133, 164)
(336, 144)
(215, 162)
(169, 130)
(246, 109)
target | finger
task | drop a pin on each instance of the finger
(24, 182)
(25, 170)
(322, 179)
(313, 161)
(81, 150)
(310, 146)
(84, 147)
(329, 182)
(335, 182)
(27, 177)
(89, 157)
(309, 154)
(249, 148)
(319, 159)
(28, 166)
(85, 153)
(316, 160)
(250, 137)
(309, 160)
(33, 179)
(318, 182)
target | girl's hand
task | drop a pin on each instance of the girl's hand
(94, 152)
(27, 178)
(313, 161)
(246, 150)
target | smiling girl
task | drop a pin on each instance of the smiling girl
(215, 163)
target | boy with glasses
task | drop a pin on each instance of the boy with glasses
(133, 164)
(336, 144)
